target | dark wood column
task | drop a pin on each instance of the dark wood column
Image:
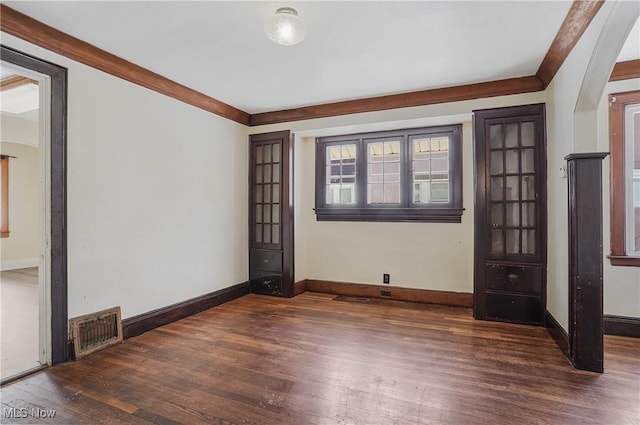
(586, 329)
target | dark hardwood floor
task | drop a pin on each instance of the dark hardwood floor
(321, 359)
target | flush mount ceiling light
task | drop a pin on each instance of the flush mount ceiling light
(285, 27)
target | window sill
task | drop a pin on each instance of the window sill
(623, 260)
(430, 215)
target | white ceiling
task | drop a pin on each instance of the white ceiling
(353, 49)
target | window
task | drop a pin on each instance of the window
(401, 175)
(4, 196)
(624, 130)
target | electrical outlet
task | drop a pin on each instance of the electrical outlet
(386, 278)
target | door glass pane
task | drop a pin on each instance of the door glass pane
(512, 161)
(267, 234)
(496, 135)
(528, 133)
(275, 176)
(275, 234)
(511, 137)
(513, 214)
(513, 188)
(259, 193)
(497, 213)
(527, 160)
(496, 242)
(267, 214)
(513, 242)
(529, 242)
(267, 173)
(275, 213)
(528, 214)
(496, 188)
(276, 194)
(275, 149)
(258, 154)
(267, 193)
(259, 173)
(528, 188)
(267, 154)
(258, 233)
(496, 162)
(258, 213)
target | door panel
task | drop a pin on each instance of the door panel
(271, 214)
(510, 227)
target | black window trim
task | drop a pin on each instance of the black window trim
(450, 212)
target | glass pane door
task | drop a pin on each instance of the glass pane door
(267, 193)
(512, 189)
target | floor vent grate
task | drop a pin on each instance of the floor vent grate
(96, 331)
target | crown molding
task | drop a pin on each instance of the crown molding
(24, 27)
(575, 23)
(403, 100)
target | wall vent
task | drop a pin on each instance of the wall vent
(96, 331)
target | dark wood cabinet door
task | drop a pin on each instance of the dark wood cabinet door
(271, 214)
(510, 224)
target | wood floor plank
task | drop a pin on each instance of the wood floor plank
(321, 359)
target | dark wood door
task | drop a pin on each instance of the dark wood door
(510, 215)
(271, 214)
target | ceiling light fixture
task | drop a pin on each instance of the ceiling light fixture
(285, 27)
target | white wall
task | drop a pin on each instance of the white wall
(157, 196)
(435, 256)
(561, 97)
(22, 247)
(157, 209)
(621, 284)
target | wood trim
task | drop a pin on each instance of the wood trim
(625, 70)
(300, 287)
(4, 193)
(586, 329)
(574, 25)
(142, 323)
(456, 299)
(622, 326)
(617, 189)
(624, 261)
(33, 31)
(557, 332)
(418, 98)
(15, 81)
(40, 34)
(58, 194)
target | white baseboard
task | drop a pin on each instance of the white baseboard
(19, 264)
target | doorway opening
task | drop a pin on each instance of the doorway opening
(33, 288)
(23, 287)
